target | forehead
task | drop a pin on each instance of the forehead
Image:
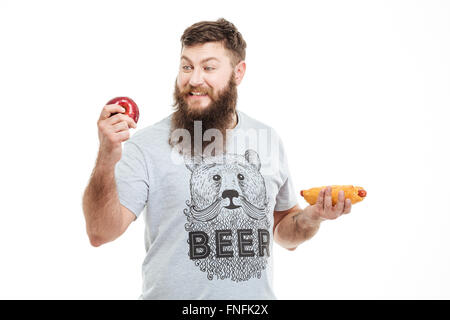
(200, 52)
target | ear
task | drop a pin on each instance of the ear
(193, 163)
(252, 157)
(239, 71)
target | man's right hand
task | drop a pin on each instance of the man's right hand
(112, 131)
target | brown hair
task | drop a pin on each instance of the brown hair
(220, 30)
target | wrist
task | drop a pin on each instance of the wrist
(104, 165)
(307, 223)
(106, 159)
(311, 217)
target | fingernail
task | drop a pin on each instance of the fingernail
(123, 109)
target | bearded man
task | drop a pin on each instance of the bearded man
(212, 182)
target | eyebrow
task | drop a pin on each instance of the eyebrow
(204, 60)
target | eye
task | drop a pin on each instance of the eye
(216, 177)
(186, 67)
(240, 176)
(209, 68)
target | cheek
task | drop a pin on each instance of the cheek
(218, 85)
(254, 189)
(182, 81)
(205, 191)
(216, 82)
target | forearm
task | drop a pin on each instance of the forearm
(101, 205)
(295, 228)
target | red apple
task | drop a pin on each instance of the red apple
(131, 108)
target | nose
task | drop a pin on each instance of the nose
(196, 78)
(230, 194)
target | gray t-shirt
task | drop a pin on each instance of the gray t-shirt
(209, 221)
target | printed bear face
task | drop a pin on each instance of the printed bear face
(226, 183)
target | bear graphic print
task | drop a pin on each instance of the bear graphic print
(228, 216)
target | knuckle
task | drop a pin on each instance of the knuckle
(117, 118)
(115, 140)
(110, 137)
(101, 125)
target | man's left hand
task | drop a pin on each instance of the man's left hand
(323, 209)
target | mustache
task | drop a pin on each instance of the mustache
(212, 211)
(253, 211)
(208, 213)
(190, 88)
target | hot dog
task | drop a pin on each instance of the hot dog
(354, 193)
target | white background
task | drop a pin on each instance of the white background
(358, 90)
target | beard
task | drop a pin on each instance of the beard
(217, 115)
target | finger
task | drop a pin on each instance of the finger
(347, 206)
(123, 135)
(339, 207)
(121, 118)
(328, 203)
(121, 126)
(127, 119)
(110, 109)
(131, 123)
(320, 199)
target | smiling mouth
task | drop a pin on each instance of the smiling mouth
(191, 96)
(198, 94)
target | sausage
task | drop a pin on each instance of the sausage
(354, 193)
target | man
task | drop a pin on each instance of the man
(215, 183)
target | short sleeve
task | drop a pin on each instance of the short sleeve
(132, 178)
(286, 197)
